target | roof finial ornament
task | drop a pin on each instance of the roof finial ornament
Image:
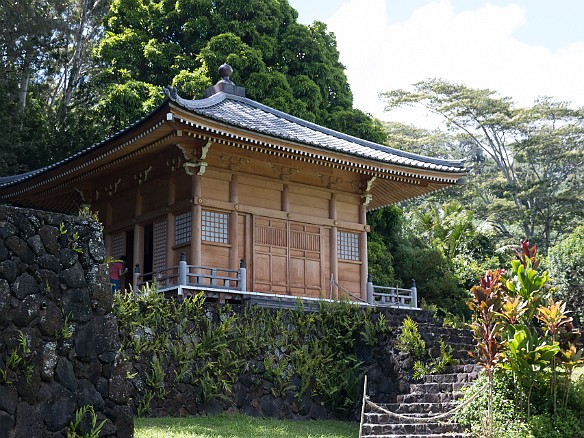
(225, 71)
(225, 84)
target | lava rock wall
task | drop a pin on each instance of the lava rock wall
(58, 337)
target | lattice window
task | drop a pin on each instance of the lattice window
(118, 244)
(182, 228)
(159, 262)
(271, 236)
(214, 226)
(347, 245)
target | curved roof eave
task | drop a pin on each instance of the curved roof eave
(8, 181)
(282, 125)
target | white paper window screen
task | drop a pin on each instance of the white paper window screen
(347, 245)
(215, 226)
(183, 228)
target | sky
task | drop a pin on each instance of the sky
(522, 49)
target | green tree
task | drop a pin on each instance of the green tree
(44, 67)
(528, 175)
(281, 63)
(566, 263)
(399, 253)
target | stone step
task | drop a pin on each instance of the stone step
(433, 435)
(429, 398)
(411, 428)
(451, 378)
(462, 368)
(436, 387)
(418, 408)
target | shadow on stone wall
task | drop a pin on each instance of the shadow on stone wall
(59, 342)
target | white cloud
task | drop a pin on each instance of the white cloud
(474, 47)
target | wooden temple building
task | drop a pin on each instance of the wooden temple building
(231, 196)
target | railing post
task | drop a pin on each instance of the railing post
(136, 278)
(369, 289)
(332, 285)
(182, 270)
(414, 290)
(242, 276)
(213, 277)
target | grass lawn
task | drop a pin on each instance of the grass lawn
(241, 426)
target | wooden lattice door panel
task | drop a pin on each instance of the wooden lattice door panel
(118, 244)
(270, 255)
(305, 260)
(159, 245)
(287, 257)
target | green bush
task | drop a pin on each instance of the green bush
(409, 340)
(210, 346)
(508, 422)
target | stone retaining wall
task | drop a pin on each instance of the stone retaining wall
(58, 343)
(255, 391)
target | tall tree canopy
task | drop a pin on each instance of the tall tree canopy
(75, 71)
(527, 175)
(295, 68)
(45, 60)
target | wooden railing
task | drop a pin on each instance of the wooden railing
(234, 280)
(382, 295)
(191, 275)
(392, 296)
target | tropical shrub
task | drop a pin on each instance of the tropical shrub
(523, 334)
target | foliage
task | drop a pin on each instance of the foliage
(440, 246)
(436, 365)
(18, 362)
(525, 178)
(520, 329)
(239, 425)
(505, 422)
(409, 340)
(508, 424)
(566, 264)
(281, 63)
(314, 353)
(91, 431)
(46, 60)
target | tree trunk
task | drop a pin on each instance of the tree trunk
(22, 92)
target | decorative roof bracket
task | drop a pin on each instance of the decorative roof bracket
(366, 187)
(195, 156)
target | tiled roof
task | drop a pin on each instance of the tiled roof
(7, 181)
(248, 114)
(253, 116)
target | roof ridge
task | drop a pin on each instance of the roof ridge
(222, 96)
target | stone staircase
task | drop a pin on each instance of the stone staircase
(434, 395)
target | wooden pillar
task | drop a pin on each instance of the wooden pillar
(196, 232)
(363, 251)
(107, 222)
(233, 225)
(333, 236)
(138, 236)
(170, 227)
(285, 200)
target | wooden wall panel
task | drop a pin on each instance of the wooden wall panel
(309, 205)
(123, 206)
(350, 277)
(214, 255)
(264, 195)
(214, 188)
(183, 184)
(348, 209)
(155, 195)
